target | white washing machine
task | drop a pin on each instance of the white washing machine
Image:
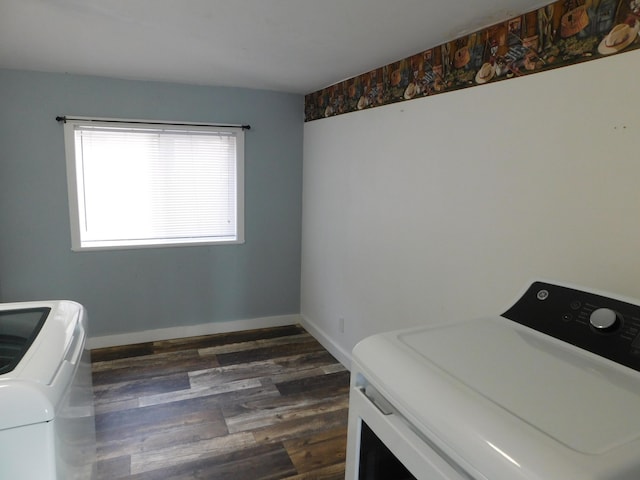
(47, 429)
(548, 390)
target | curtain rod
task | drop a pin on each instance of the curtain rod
(63, 118)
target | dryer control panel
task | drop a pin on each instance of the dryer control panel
(602, 325)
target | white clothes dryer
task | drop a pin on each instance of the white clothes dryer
(548, 390)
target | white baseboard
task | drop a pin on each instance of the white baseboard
(343, 356)
(191, 331)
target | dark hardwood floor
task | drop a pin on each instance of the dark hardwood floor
(262, 404)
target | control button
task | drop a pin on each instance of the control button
(543, 294)
(575, 305)
(604, 319)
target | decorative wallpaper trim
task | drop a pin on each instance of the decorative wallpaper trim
(560, 34)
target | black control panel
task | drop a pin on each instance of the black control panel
(602, 325)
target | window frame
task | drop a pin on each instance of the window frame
(74, 186)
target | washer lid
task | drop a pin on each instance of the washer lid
(18, 329)
(583, 401)
(39, 377)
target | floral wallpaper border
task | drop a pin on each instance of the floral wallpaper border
(557, 35)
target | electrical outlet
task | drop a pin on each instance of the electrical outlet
(341, 324)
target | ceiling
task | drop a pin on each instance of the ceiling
(297, 46)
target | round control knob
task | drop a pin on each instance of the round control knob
(604, 319)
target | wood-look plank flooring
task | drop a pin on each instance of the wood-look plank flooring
(261, 404)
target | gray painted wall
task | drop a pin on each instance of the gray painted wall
(135, 290)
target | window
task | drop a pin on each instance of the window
(144, 185)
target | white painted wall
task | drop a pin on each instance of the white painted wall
(444, 208)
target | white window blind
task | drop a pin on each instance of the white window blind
(134, 185)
